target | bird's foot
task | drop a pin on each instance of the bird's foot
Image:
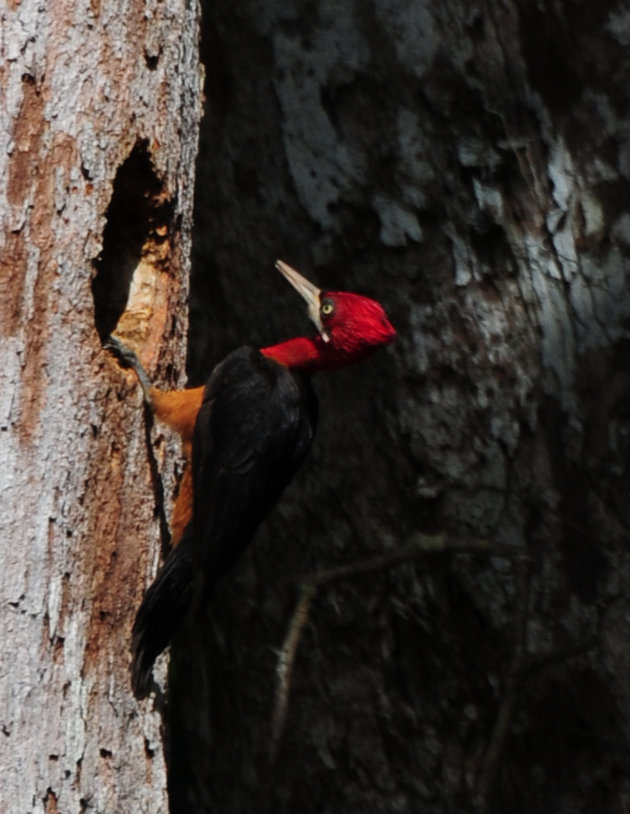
(125, 355)
(128, 358)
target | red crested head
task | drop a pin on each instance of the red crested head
(350, 326)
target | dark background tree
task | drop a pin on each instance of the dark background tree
(467, 164)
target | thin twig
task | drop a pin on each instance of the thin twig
(419, 547)
(286, 659)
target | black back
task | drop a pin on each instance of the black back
(253, 430)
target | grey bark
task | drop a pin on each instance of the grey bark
(467, 165)
(98, 135)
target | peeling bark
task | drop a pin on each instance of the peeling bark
(86, 90)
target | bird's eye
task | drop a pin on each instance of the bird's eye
(327, 308)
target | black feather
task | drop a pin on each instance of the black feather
(253, 431)
(163, 609)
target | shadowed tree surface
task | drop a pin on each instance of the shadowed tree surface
(468, 166)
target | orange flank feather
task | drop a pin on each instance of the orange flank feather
(182, 508)
(178, 409)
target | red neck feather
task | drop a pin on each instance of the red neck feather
(310, 355)
(301, 352)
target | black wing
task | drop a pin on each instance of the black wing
(253, 431)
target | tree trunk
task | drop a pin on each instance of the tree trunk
(468, 166)
(98, 142)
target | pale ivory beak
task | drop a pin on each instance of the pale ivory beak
(308, 291)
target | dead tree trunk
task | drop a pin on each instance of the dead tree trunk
(98, 141)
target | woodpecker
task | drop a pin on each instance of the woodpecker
(245, 433)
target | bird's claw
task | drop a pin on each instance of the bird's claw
(125, 355)
(128, 358)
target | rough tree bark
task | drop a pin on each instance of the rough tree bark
(98, 137)
(468, 164)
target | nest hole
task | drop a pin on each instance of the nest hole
(135, 247)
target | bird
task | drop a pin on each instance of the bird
(244, 433)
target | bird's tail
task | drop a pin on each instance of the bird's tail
(163, 609)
